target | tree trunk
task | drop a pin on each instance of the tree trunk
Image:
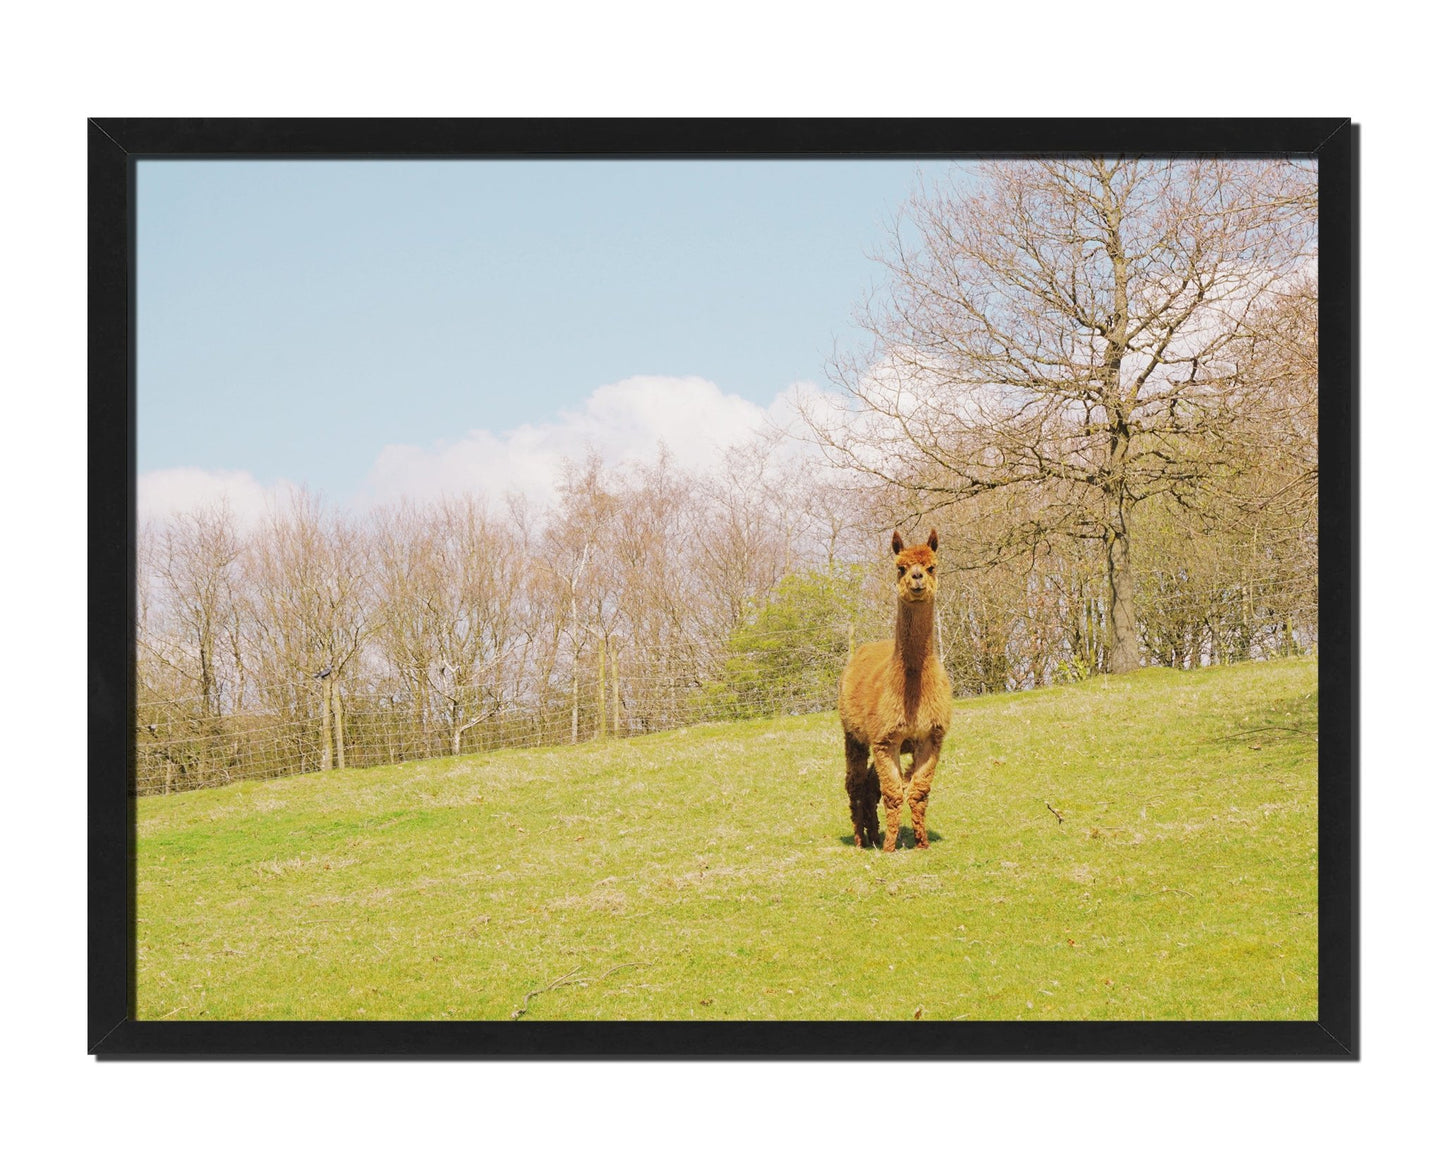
(340, 729)
(575, 683)
(326, 724)
(576, 645)
(422, 693)
(1123, 629)
(1122, 634)
(616, 693)
(239, 701)
(601, 688)
(210, 705)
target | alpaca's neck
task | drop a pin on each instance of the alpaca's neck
(913, 634)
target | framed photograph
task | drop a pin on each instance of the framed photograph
(772, 588)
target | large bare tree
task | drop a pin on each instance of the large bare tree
(1064, 332)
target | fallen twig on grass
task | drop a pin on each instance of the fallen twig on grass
(566, 980)
(1050, 807)
(527, 999)
(1276, 730)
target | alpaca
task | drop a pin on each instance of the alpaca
(895, 699)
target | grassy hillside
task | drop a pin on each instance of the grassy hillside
(710, 872)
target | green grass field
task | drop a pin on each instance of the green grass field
(710, 873)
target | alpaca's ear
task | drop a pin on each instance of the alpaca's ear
(933, 538)
(897, 542)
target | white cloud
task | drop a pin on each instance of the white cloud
(695, 419)
(623, 422)
(165, 492)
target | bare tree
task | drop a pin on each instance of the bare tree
(1277, 366)
(307, 574)
(745, 537)
(446, 581)
(576, 559)
(1062, 335)
(191, 564)
(663, 614)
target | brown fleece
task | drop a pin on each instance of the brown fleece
(895, 699)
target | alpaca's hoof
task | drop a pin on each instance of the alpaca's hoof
(921, 843)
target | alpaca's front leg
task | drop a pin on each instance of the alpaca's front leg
(925, 759)
(890, 782)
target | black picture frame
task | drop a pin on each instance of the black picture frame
(115, 145)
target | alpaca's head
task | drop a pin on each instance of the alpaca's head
(917, 569)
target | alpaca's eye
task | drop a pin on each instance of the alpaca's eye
(930, 569)
(900, 572)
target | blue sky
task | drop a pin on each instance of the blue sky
(356, 325)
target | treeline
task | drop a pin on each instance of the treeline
(645, 599)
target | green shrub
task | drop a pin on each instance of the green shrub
(787, 654)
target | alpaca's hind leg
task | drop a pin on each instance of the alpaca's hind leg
(871, 835)
(856, 780)
(890, 782)
(925, 759)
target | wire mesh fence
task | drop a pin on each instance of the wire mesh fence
(193, 751)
